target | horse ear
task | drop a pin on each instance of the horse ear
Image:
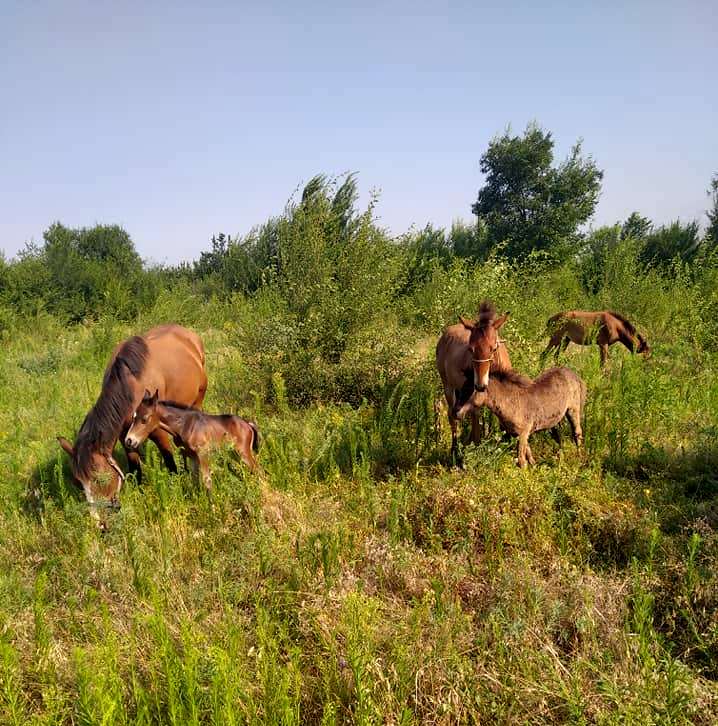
(156, 396)
(500, 321)
(66, 445)
(466, 323)
(147, 396)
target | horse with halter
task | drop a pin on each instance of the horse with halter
(465, 355)
(168, 358)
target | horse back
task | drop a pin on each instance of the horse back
(175, 365)
(453, 356)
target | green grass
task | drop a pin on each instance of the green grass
(360, 579)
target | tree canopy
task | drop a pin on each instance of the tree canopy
(712, 213)
(529, 204)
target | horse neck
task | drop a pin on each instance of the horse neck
(502, 361)
(103, 424)
(501, 396)
(171, 418)
(628, 339)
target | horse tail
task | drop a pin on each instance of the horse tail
(256, 437)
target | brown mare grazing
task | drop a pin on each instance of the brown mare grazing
(524, 406)
(584, 328)
(465, 354)
(168, 358)
(197, 433)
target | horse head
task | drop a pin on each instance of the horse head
(95, 471)
(484, 342)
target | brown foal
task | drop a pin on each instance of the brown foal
(197, 433)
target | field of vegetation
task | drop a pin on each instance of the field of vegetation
(360, 578)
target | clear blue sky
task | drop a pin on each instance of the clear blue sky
(179, 120)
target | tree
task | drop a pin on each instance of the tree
(670, 242)
(636, 227)
(712, 231)
(106, 244)
(92, 270)
(527, 203)
(470, 241)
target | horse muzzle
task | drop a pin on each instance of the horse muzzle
(131, 442)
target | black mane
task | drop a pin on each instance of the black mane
(510, 376)
(103, 423)
(487, 313)
(628, 324)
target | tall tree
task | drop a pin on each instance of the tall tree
(674, 241)
(712, 231)
(529, 204)
(636, 227)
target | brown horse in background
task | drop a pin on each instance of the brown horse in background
(524, 406)
(604, 327)
(465, 354)
(196, 432)
(168, 358)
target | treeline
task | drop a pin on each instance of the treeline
(326, 270)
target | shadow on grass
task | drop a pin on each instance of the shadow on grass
(682, 485)
(52, 480)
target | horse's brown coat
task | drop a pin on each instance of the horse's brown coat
(456, 350)
(524, 406)
(168, 358)
(196, 432)
(603, 327)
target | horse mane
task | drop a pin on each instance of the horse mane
(628, 324)
(103, 423)
(508, 375)
(487, 313)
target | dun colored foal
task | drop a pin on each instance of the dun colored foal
(524, 406)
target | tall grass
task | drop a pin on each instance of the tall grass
(360, 578)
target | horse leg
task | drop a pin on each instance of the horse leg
(562, 346)
(523, 446)
(603, 352)
(183, 450)
(450, 396)
(574, 418)
(134, 460)
(455, 456)
(529, 454)
(477, 427)
(206, 474)
(194, 465)
(162, 441)
(554, 342)
(134, 464)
